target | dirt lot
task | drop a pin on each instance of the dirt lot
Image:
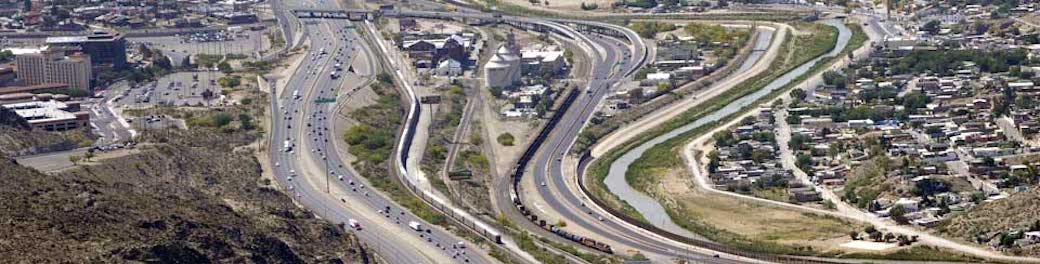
(769, 224)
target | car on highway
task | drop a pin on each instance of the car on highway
(415, 226)
(353, 223)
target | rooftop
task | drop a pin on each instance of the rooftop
(41, 112)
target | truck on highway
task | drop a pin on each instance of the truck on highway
(338, 66)
(288, 146)
(296, 94)
(353, 223)
(334, 75)
(415, 225)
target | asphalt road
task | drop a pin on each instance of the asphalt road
(104, 121)
(303, 122)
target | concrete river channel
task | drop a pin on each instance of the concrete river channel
(648, 206)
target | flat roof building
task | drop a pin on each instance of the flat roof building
(106, 49)
(53, 66)
(50, 115)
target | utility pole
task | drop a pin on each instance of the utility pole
(888, 9)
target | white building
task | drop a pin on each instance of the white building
(658, 77)
(910, 205)
(448, 67)
(503, 70)
(52, 66)
(538, 61)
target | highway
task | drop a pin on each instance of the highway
(318, 178)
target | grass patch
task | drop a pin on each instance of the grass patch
(208, 60)
(506, 139)
(442, 131)
(915, 253)
(371, 140)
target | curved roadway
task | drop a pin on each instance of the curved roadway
(548, 170)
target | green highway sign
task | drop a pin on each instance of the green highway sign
(324, 100)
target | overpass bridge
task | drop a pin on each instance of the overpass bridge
(350, 14)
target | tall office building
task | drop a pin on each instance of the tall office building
(53, 66)
(105, 48)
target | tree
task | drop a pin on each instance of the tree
(6, 55)
(145, 51)
(505, 139)
(163, 62)
(75, 159)
(799, 94)
(898, 214)
(835, 78)
(854, 235)
(804, 162)
(229, 81)
(904, 240)
(186, 63)
(246, 121)
(713, 161)
(225, 67)
(221, 119)
(932, 27)
(207, 94)
(588, 7)
(876, 236)
(889, 237)
(385, 78)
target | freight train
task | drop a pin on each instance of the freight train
(588, 242)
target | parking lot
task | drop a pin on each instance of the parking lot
(156, 122)
(177, 47)
(177, 89)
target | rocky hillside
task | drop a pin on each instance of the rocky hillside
(16, 141)
(190, 197)
(988, 222)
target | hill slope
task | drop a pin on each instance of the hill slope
(188, 198)
(1018, 212)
